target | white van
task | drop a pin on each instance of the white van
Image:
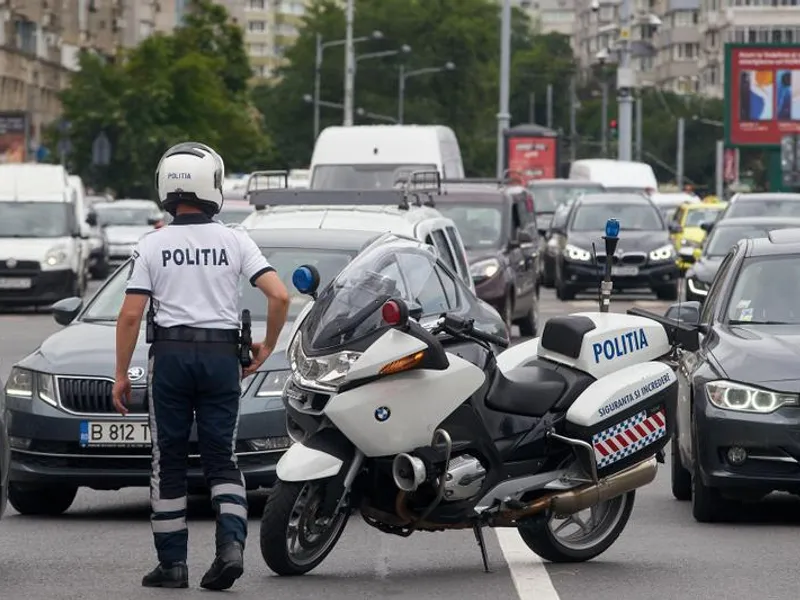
(615, 175)
(375, 156)
(43, 246)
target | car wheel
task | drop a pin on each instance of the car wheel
(564, 291)
(708, 505)
(547, 275)
(100, 271)
(680, 478)
(46, 500)
(667, 292)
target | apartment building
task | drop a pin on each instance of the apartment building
(741, 21)
(270, 27)
(668, 29)
(551, 16)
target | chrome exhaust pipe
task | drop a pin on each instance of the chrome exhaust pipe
(573, 501)
(408, 472)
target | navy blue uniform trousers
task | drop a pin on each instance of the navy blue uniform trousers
(188, 382)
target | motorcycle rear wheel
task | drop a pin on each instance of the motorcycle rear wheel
(595, 533)
(294, 539)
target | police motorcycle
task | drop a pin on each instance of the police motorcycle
(551, 437)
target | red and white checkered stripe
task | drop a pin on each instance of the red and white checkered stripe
(634, 435)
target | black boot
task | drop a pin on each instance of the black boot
(173, 576)
(227, 567)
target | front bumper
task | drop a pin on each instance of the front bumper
(119, 253)
(772, 442)
(5, 463)
(585, 275)
(46, 287)
(45, 448)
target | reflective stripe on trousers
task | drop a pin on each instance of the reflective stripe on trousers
(186, 386)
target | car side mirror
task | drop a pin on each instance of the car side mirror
(675, 228)
(684, 312)
(707, 226)
(65, 311)
(687, 254)
(91, 219)
(153, 221)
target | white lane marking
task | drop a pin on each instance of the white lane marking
(583, 303)
(527, 569)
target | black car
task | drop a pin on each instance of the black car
(498, 227)
(63, 426)
(724, 235)
(739, 393)
(766, 204)
(644, 259)
(5, 455)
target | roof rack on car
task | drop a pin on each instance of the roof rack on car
(417, 183)
(507, 178)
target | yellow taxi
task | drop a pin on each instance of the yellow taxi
(690, 217)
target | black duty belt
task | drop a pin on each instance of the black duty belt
(196, 334)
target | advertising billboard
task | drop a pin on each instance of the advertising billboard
(762, 93)
(13, 127)
(533, 157)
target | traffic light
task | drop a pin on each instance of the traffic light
(613, 128)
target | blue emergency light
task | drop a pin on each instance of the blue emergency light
(612, 228)
(303, 280)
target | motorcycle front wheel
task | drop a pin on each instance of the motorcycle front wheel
(582, 536)
(294, 537)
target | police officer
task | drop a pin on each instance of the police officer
(189, 272)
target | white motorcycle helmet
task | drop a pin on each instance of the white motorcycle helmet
(190, 173)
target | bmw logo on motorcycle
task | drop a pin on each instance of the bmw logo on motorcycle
(382, 413)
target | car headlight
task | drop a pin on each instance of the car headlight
(484, 269)
(55, 256)
(663, 253)
(22, 383)
(697, 287)
(273, 383)
(327, 372)
(575, 253)
(745, 398)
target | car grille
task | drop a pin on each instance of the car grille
(93, 396)
(20, 268)
(633, 259)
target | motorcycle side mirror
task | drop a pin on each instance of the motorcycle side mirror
(306, 280)
(415, 311)
(685, 312)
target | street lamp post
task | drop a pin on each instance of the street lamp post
(309, 99)
(321, 46)
(404, 49)
(404, 75)
(503, 115)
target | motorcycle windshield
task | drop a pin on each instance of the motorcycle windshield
(349, 308)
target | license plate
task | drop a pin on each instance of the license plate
(625, 271)
(15, 283)
(114, 433)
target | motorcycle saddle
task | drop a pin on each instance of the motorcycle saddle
(535, 389)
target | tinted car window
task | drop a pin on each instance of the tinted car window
(764, 208)
(722, 239)
(766, 291)
(631, 217)
(440, 241)
(547, 199)
(480, 225)
(462, 261)
(707, 312)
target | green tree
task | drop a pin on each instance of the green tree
(465, 32)
(171, 88)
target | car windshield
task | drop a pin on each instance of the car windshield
(106, 304)
(764, 208)
(234, 214)
(390, 268)
(547, 199)
(698, 216)
(125, 216)
(480, 226)
(766, 292)
(722, 239)
(631, 217)
(362, 177)
(35, 219)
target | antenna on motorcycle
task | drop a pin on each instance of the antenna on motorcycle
(597, 270)
(611, 239)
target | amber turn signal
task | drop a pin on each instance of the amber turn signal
(403, 364)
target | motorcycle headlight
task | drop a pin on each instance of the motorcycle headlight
(484, 269)
(272, 384)
(690, 244)
(697, 287)
(575, 253)
(663, 253)
(22, 383)
(55, 256)
(327, 372)
(745, 398)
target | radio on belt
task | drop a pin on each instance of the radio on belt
(245, 340)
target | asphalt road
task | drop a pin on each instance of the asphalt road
(102, 546)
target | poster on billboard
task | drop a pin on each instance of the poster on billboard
(762, 96)
(533, 157)
(12, 137)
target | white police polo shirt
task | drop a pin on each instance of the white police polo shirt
(192, 269)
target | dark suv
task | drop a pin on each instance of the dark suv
(498, 226)
(645, 258)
